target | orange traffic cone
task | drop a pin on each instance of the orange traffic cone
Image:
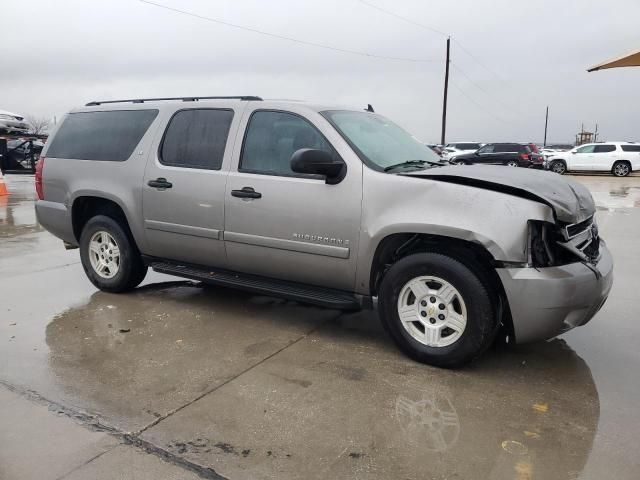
(3, 186)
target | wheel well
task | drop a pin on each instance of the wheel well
(621, 161)
(474, 256)
(84, 208)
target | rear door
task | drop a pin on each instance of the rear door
(603, 157)
(184, 186)
(297, 227)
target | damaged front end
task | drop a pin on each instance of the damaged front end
(552, 245)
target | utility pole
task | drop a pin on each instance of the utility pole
(446, 90)
(546, 122)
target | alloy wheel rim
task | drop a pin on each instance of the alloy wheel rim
(512, 164)
(104, 254)
(558, 168)
(432, 311)
(621, 169)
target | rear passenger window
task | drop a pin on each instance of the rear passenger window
(196, 138)
(604, 148)
(273, 137)
(631, 148)
(110, 136)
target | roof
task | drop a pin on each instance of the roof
(631, 59)
(141, 104)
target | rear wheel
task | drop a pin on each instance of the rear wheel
(109, 255)
(437, 310)
(621, 169)
(558, 166)
(512, 163)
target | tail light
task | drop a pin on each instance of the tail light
(524, 156)
(39, 168)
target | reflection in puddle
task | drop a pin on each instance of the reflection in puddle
(340, 402)
(432, 421)
(17, 215)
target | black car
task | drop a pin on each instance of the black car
(510, 154)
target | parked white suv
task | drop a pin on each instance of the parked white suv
(619, 158)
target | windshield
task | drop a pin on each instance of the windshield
(380, 143)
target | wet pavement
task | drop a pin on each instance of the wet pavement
(180, 380)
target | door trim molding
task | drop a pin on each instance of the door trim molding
(182, 229)
(282, 244)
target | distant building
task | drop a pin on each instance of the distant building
(585, 137)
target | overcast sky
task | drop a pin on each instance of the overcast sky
(61, 54)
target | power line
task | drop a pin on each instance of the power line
(479, 87)
(433, 30)
(476, 60)
(290, 39)
(408, 20)
(481, 107)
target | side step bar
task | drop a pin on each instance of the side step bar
(324, 297)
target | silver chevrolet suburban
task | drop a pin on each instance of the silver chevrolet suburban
(326, 205)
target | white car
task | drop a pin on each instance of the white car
(452, 150)
(13, 123)
(619, 158)
(551, 150)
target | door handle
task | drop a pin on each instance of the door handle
(246, 192)
(160, 183)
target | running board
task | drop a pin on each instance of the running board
(324, 297)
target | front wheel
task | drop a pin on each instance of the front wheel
(558, 167)
(109, 255)
(437, 310)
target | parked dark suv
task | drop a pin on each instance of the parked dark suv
(510, 154)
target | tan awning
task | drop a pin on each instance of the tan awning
(629, 60)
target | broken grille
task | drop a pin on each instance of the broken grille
(583, 240)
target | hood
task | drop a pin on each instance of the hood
(571, 201)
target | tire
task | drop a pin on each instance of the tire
(119, 276)
(512, 163)
(473, 299)
(621, 169)
(558, 166)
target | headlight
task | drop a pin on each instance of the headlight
(540, 252)
(548, 247)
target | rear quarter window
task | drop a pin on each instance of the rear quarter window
(630, 148)
(104, 136)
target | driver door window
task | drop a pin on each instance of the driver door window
(271, 140)
(486, 149)
(586, 149)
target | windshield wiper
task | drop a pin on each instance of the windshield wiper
(411, 163)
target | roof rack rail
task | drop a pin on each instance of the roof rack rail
(184, 99)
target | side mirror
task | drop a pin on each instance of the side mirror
(318, 162)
